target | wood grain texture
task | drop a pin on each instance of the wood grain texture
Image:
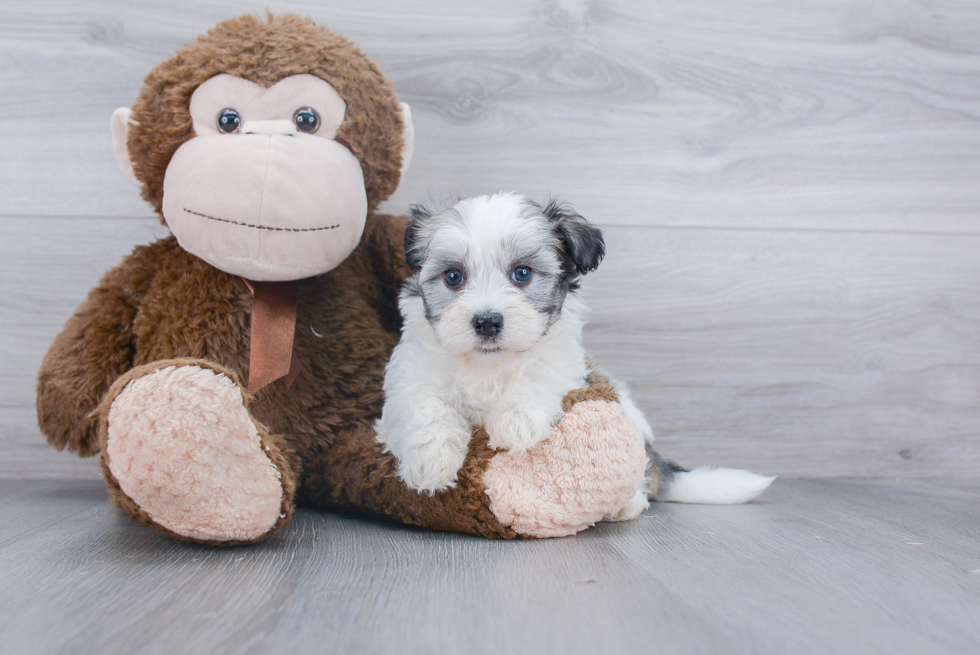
(852, 115)
(816, 567)
(797, 353)
(789, 192)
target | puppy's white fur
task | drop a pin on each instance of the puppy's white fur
(444, 378)
(434, 398)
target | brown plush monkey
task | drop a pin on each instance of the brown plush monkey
(267, 145)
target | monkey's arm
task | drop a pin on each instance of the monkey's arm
(590, 467)
(94, 348)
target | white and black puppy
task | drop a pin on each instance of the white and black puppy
(492, 336)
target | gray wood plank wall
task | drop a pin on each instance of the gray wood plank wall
(791, 194)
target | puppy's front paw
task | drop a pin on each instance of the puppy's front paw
(432, 466)
(518, 428)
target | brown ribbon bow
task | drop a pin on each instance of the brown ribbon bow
(271, 353)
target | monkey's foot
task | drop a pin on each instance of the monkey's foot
(588, 469)
(181, 452)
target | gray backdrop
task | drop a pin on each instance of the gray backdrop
(789, 191)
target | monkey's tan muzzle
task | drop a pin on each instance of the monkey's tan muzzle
(268, 204)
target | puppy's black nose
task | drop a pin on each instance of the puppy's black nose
(488, 325)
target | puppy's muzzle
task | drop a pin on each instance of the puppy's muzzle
(488, 325)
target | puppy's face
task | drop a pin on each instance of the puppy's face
(493, 272)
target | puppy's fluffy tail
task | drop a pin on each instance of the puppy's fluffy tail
(703, 485)
(666, 481)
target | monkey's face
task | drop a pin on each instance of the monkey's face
(264, 144)
(263, 190)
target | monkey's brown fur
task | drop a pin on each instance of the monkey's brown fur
(162, 303)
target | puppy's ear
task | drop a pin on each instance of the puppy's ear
(418, 215)
(583, 242)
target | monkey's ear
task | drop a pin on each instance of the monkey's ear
(408, 139)
(418, 216)
(583, 243)
(119, 128)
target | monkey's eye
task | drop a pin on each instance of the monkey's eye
(306, 120)
(229, 121)
(454, 277)
(521, 275)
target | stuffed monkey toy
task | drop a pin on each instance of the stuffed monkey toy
(234, 369)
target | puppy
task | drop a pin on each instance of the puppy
(492, 335)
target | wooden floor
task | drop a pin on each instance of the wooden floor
(816, 567)
(791, 196)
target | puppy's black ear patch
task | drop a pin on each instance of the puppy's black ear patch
(583, 243)
(418, 215)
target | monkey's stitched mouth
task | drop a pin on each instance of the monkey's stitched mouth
(271, 228)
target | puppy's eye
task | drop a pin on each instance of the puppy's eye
(306, 120)
(454, 277)
(229, 121)
(521, 275)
